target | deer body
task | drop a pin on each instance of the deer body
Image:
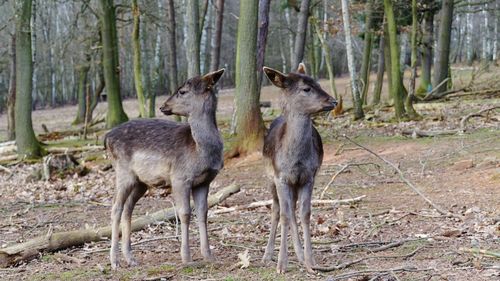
(186, 157)
(293, 153)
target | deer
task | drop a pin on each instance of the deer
(184, 156)
(293, 153)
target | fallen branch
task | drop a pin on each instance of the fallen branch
(479, 251)
(56, 241)
(379, 272)
(74, 149)
(408, 182)
(8, 158)
(8, 171)
(265, 203)
(339, 266)
(344, 167)
(476, 114)
(415, 133)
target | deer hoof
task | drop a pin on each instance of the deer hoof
(132, 262)
(115, 265)
(281, 269)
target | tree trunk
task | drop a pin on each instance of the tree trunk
(365, 65)
(27, 144)
(34, 90)
(377, 91)
(60, 240)
(115, 114)
(300, 37)
(83, 71)
(11, 98)
(356, 98)
(411, 95)
(291, 36)
(264, 7)
(217, 37)
(136, 47)
(441, 69)
(396, 88)
(172, 48)
(468, 39)
(249, 123)
(426, 50)
(193, 38)
(328, 60)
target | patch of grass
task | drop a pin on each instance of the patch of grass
(156, 270)
(268, 274)
(75, 274)
(188, 270)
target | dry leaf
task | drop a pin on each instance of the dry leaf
(244, 259)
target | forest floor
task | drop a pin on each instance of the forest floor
(392, 232)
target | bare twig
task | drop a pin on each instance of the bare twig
(476, 114)
(480, 251)
(344, 167)
(339, 266)
(380, 272)
(408, 182)
(8, 171)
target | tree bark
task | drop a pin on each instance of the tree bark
(356, 97)
(115, 114)
(136, 47)
(377, 91)
(328, 60)
(426, 50)
(83, 71)
(367, 51)
(172, 48)
(27, 144)
(441, 69)
(300, 37)
(61, 240)
(396, 88)
(217, 37)
(193, 38)
(264, 7)
(11, 98)
(249, 124)
(412, 114)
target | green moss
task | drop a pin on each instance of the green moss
(156, 270)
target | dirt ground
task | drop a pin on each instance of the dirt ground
(392, 232)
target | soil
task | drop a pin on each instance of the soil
(431, 246)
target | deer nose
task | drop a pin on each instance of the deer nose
(333, 101)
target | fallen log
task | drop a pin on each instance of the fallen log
(74, 149)
(60, 240)
(416, 133)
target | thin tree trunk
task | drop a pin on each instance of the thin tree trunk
(216, 39)
(356, 97)
(365, 65)
(34, 89)
(468, 38)
(115, 114)
(249, 123)
(441, 69)
(172, 48)
(377, 90)
(411, 95)
(83, 71)
(136, 47)
(396, 87)
(328, 60)
(27, 144)
(426, 49)
(193, 38)
(11, 98)
(300, 37)
(264, 7)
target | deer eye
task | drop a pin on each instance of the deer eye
(307, 90)
(182, 92)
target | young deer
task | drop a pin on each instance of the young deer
(293, 153)
(187, 157)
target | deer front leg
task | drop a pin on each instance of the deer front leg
(305, 217)
(275, 216)
(200, 194)
(181, 191)
(295, 229)
(136, 194)
(285, 201)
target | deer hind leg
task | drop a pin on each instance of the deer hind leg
(125, 182)
(200, 194)
(305, 194)
(285, 201)
(295, 229)
(136, 194)
(181, 191)
(275, 216)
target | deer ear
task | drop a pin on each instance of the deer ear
(212, 77)
(301, 69)
(276, 77)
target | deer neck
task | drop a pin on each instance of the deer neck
(298, 134)
(205, 133)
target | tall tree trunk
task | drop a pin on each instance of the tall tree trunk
(249, 123)
(300, 38)
(172, 48)
(193, 38)
(115, 114)
(264, 7)
(441, 69)
(291, 36)
(136, 47)
(377, 90)
(396, 88)
(34, 90)
(356, 97)
(485, 34)
(83, 71)
(328, 59)
(426, 50)
(365, 65)
(207, 41)
(217, 37)
(411, 95)
(27, 144)
(469, 51)
(11, 98)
